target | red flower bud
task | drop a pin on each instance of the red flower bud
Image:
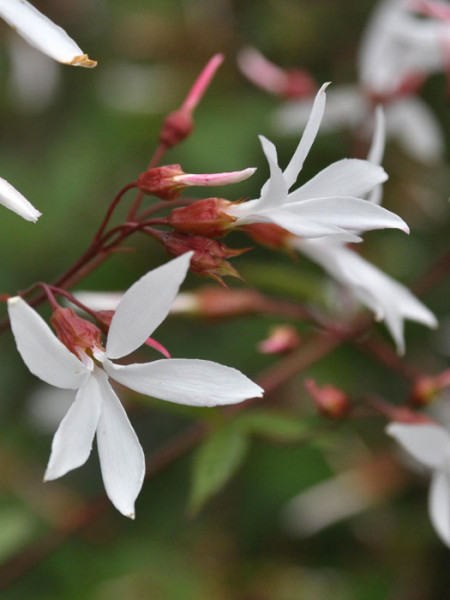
(81, 337)
(281, 339)
(426, 388)
(270, 235)
(176, 127)
(161, 182)
(209, 257)
(206, 218)
(329, 400)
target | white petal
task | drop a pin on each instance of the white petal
(416, 129)
(186, 381)
(275, 190)
(45, 356)
(72, 443)
(347, 177)
(42, 33)
(309, 135)
(376, 151)
(428, 444)
(145, 306)
(13, 199)
(121, 457)
(439, 505)
(387, 298)
(347, 213)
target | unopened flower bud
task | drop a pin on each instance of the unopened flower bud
(210, 257)
(179, 124)
(169, 181)
(270, 235)
(206, 217)
(329, 400)
(281, 339)
(426, 388)
(81, 337)
(285, 83)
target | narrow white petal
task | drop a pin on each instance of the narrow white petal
(346, 177)
(145, 306)
(439, 505)
(274, 191)
(309, 135)
(42, 352)
(72, 442)
(42, 33)
(376, 150)
(186, 381)
(13, 199)
(122, 459)
(428, 444)
(386, 297)
(347, 213)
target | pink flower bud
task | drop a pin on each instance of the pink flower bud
(426, 388)
(281, 339)
(81, 337)
(286, 83)
(210, 257)
(329, 400)
(179, 124)
(207, 218)
(169, 181)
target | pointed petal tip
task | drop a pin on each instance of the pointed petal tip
(83, 60)
(131, 516)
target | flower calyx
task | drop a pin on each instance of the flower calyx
(209, 258)
(206, 217)
(81, 337)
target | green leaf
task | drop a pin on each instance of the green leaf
(215, 462)
(273, 426)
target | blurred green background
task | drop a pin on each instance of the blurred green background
(70, 154)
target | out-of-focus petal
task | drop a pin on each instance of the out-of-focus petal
(186, 381)
(45, 356)
(72, 442)
(40, 32)
(309, 135)
(13, 199)
(376, 150)
(439, 505)
(346, 177)
(414, 126)
(428, 444)
(121, 456)
(144, 306)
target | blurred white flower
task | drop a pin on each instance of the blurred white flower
(40, 32)
(86, 367)
(330, 204)
(429, 444)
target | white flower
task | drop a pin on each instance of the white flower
(42, 33)
(397, 45)
(409, 120)
(329, 204)
(389, 300)
(13, 199)
(429, 444)
(96, 408)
